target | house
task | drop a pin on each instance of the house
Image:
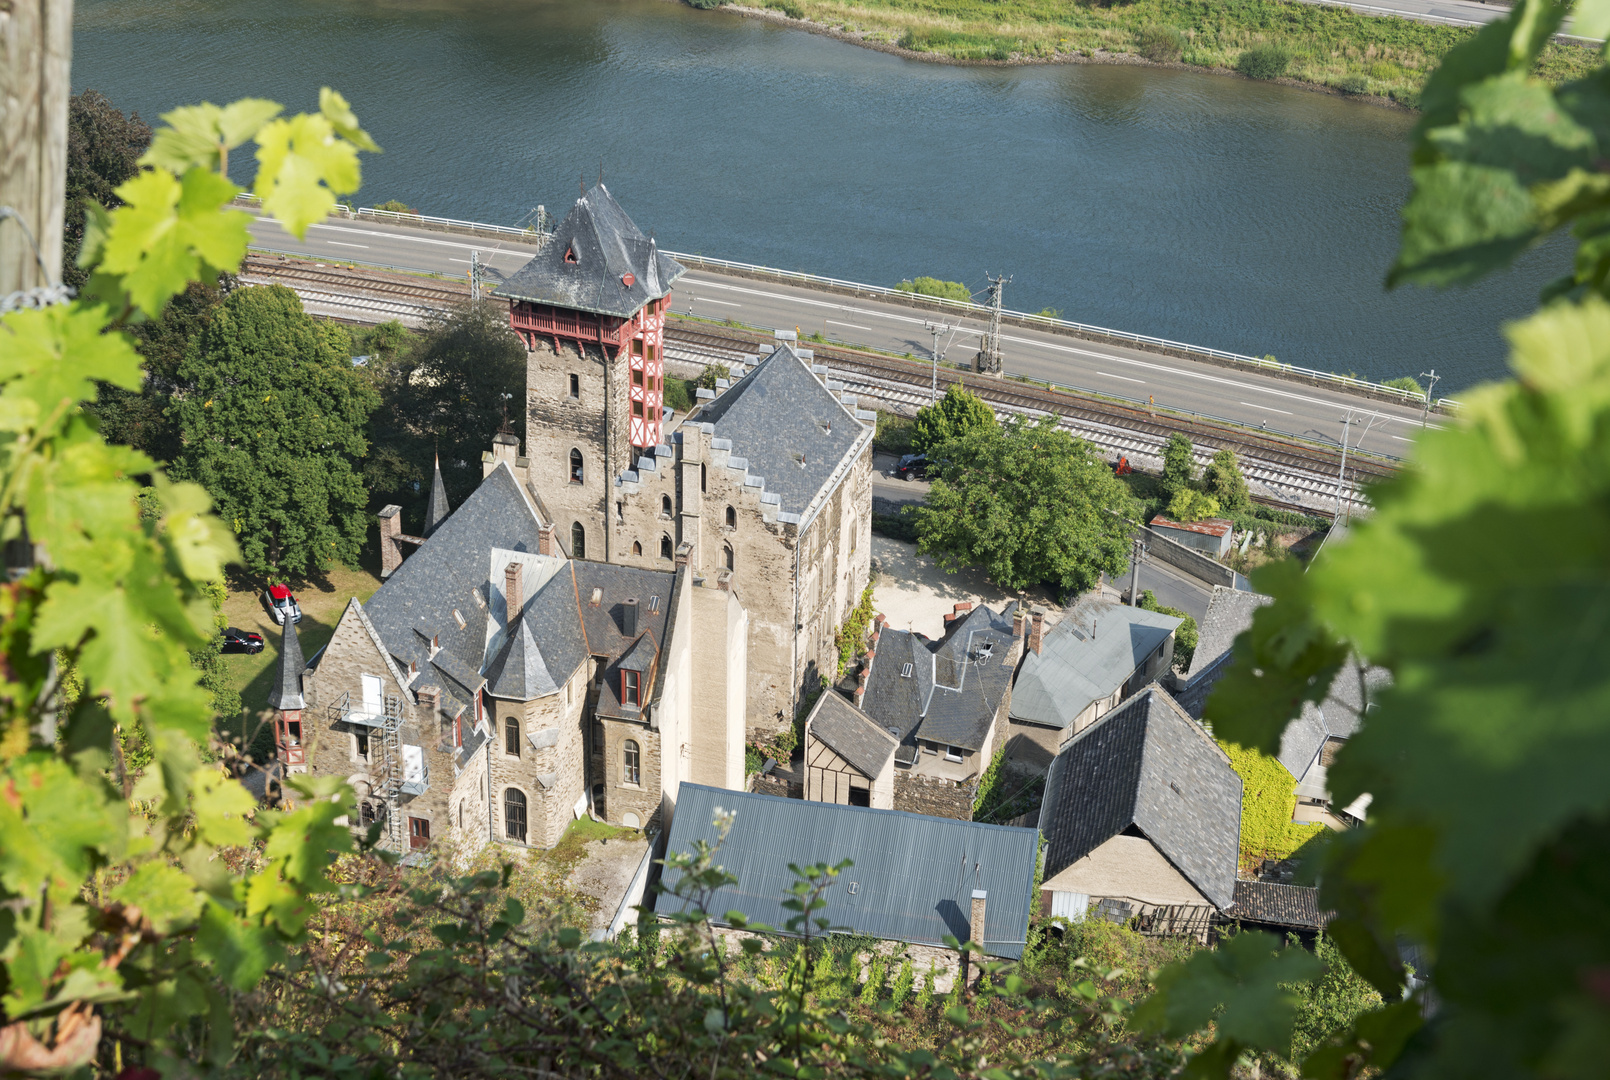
(1141, 815)
(1210, 536)
(1310, 742)
(912, 878)
(493, 689)
(849, 759)
(1278, 908)
(768, 484)
(1099, 654)
(944, 703)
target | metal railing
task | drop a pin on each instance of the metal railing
(422, 221)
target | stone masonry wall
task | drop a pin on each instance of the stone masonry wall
(550, 775)
(918, 794)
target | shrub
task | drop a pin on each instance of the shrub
(1223, 480)
(395, 207)
(1179, 467)
(894, 434)
(925, 994)
(1405, 382)
(706, 5)
(872, 992)
(712, 372)
(1160, 44)
(1354, 84)
(1266, 61)
(787, 7)
(903, 983)
(678, 394)
(901, 525)
(1189, 504)
(927, 286)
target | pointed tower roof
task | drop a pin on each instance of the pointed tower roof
(286, 692)
(437, 511)
(597, 261)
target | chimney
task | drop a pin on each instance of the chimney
(512, 594)
(860, 683)
(684, 553)
(430, 704)
(1017, 622)
(975, 929)
(1036, 629)
(390, 547)
(545, 542)
(629, 617)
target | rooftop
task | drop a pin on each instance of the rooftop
(1276, 904)
(912, 877)
(1089, 655)
(1208, 527)
(851, 734)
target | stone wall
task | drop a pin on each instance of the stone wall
(918, 794)
(548, 767)
(769, 785)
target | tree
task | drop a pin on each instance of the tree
(1188, 505)
(273, 428)
(103, 150)
(1224, 481)
(1480, 582)
(952, 416)
(1030, 504)
(712, 372)
(1179, 466)
(444, 395)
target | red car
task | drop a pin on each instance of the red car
(281, 603)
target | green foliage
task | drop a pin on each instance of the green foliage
(712, 372)
(395, 206)
(902, 983)
(125, 926)
(990, 789)
(1267, 61)
(894, 435)
(273, 428)
(925, 992)
(1185, 637)
(900, 525)
(851, 637)
(1179, 467)
(1223, 480)
(1329, 1004)
(103, 151)
(1160, 44)
(877, 973)
(1189, 505)
(1030, 504)
(1405, 382)
(927, 286)
(679, 394)
(1268, 800)
(953, 416)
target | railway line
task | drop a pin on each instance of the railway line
(1281, 473)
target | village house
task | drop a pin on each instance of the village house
(1142, 818)
(1098, 655)
(493, 689)
(849, 759)
(767, 485)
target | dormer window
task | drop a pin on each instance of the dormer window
(632, 689)
(570, 255)
(905, 671)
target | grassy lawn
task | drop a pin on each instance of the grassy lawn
(1334, 47)
(322, 600)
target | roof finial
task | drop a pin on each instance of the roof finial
(600, 171)
(581, 183)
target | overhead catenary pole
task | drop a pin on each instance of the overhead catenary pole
(938, 330)
(36, 48)
(1138, 552)
(1430, 387)
(989, 352)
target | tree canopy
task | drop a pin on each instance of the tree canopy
(273, 426)
(1223, 480)
(103, 150)
(1030, 504)
(1179, 467)
(952, 416)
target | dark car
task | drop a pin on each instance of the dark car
(241, 640)
(911, 467)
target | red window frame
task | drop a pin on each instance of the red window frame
(418, 833)
(631, 688)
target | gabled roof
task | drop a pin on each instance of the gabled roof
(851, 734)
(640, 657)
(913, 876)
(448, 575)
(1229, 612)
(603, 626)
(588, 263)
(1088, 655)
(1337, 717)
(1277, 904)
(286, 693)
(438, 510)
(892, 698)
(787, 426)
(1147, 765)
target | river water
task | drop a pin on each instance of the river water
(1213, 210)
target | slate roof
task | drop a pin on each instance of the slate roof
(604, 246)
(438, 509)
(548, 646)
(913, 875)
(286, 693)
(1147, 765)
(1276, 904)
(1229, 613)
(955, 685)
(787, 426)
(851, 734)
(602, 625)
(1086, 657)
(1338, 717)
(448, 574)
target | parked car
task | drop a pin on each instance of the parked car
(911, 467)
(281, 603)
(245, 641)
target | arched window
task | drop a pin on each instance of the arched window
(461, 813)
(514, 814)
(578, 541)
(666, 550)
(637, 547)
(665, 505)
(732, 518)
(726, 552)
(511, 735)
(576, 471)
(631, 763)
(702, 485)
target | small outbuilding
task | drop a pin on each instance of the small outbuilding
(849, 759)
(1210, 536)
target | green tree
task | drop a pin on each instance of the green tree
(1223, 480)
(1188, 504)
(712, 372)
(1480, 583)
(1179, 466)
(1186, 636)
(952, 416)
(931, 286)
(1030, 504)
(273, 427)
(103, 150)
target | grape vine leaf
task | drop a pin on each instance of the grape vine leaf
(199, 136)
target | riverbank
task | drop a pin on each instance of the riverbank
(1387, 59)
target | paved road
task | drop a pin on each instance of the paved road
(1449, 12)
(1247, 397)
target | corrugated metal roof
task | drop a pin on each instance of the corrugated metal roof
(1211, 527)
(913, 877)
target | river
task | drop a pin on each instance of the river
(1223, 212)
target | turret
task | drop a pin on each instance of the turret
(285, 698)
(437, 511)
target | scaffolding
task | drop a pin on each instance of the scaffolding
(387, 768)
